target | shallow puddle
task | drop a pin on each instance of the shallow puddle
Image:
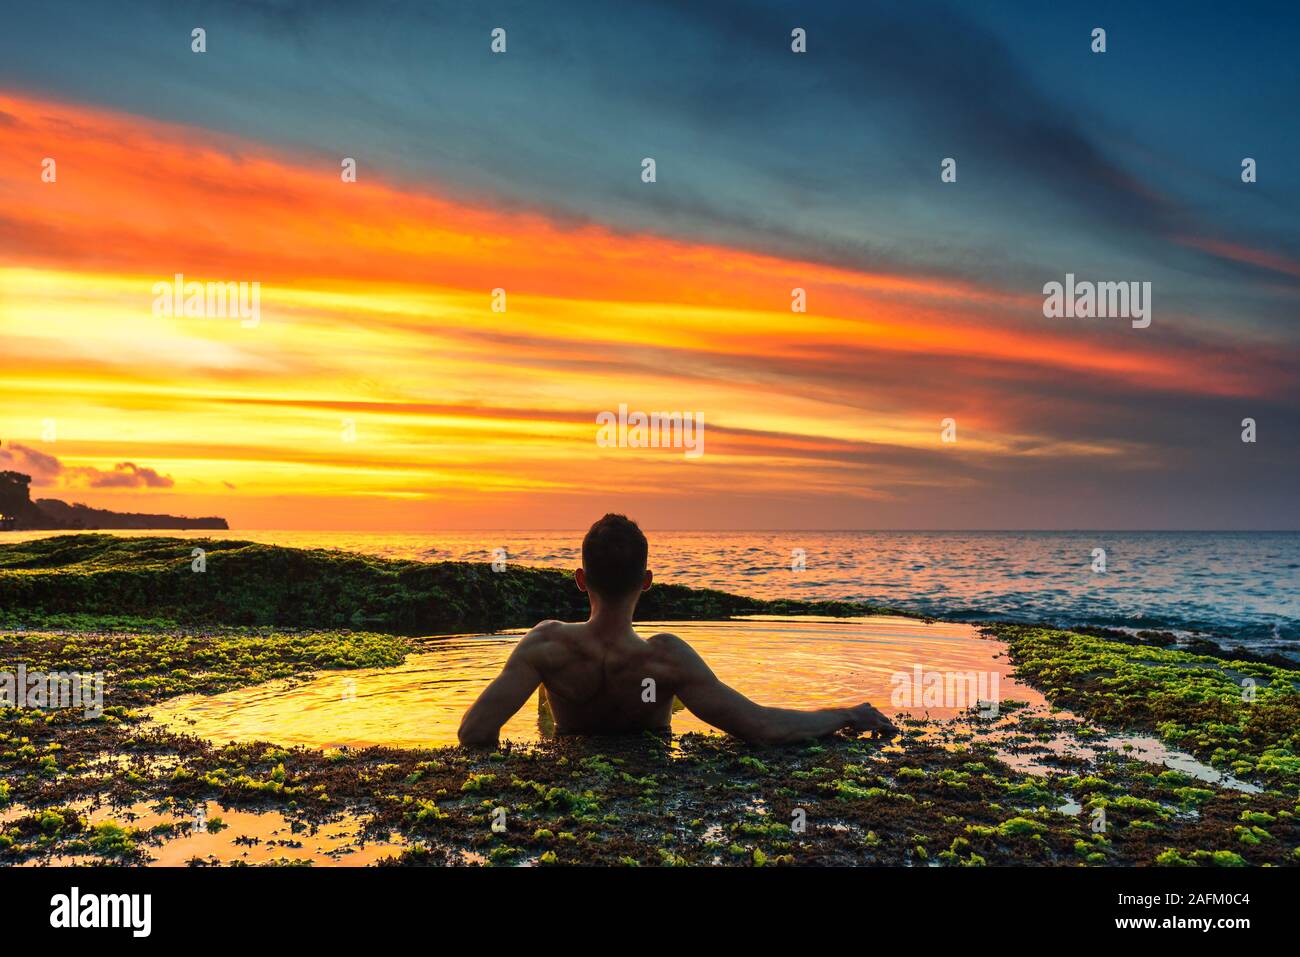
(1153, 751)
(212, 835)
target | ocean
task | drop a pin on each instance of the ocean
(1240, 586)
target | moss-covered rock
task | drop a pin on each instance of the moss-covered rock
(249, 584)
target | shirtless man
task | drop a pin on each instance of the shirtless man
(595, 672)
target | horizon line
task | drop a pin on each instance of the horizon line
(729, 531)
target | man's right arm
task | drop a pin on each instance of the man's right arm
(497, 704)
(727, 709)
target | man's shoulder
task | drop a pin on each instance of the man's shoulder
(546, 633)
(666, 641)
(545, 642)
(669, 649)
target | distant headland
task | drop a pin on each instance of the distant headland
(19, 513)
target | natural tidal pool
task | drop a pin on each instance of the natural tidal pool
(786, 662)
(801, 662)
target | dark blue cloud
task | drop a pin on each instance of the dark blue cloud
(1067, 161)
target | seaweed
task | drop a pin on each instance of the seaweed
(99, 581)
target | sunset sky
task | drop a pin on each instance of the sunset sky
(381, 390)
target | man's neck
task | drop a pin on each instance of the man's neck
(611, 617)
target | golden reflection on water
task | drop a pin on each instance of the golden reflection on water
(229, 835)
(786, 662)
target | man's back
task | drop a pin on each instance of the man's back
(602, 683)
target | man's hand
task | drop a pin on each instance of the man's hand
(866, 718)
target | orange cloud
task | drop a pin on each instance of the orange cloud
(380, 369)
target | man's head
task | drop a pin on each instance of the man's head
(614, 559)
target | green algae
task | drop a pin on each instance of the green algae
(1241, 717)
(112, 840)
(1020, 826)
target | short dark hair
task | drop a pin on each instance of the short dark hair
(614, 554)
